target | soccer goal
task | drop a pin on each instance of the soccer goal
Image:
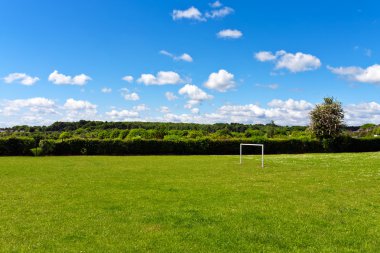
(255, 145)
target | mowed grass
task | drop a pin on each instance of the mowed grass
(298, 203)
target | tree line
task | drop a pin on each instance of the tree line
(154, 130)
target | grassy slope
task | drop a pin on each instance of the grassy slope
(306, 203)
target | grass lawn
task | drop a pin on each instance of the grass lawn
(298, 203)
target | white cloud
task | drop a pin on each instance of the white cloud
(79, 110)
(122, 115)
(216, 4)
(79, 105)
(141, 108)
(220, 13)
(162, 78)
(43, 111)
(166, 53)
(195, 110)
(265, 56)
(194, 94)
(170, 96)
(370, 74)
(36, 111)
(131, 96)
(247, 111)
(220, 81)
(185, 118)
(106, 90)
(283, 112)
(345, 71)
(272, 86)
(61, 79)
(359, 114)
(291, 104)
(184, 57)
(191, 13)
(128, 79)
(164, 109)
(35, 105)
(229, 34)
(30, 120)
(21, 78)
(297, 62)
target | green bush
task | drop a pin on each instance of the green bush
(104, 134)
(368, 125)
(222, 134)
(194, 134)
(172, 137)
(16, 146)
(137, 133)
(47, 146)
(173, 144)
(253, 133)
(36, 151)
(123, 134)
(115, 133)
(64, 135)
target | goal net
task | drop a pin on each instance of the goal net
(254, 145)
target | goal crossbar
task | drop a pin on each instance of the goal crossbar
(255, 145)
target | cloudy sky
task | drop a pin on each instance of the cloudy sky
(187, 61)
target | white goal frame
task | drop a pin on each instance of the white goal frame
(256, 145)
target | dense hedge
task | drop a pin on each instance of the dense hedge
(16, 146)
(23, 146)
(348, 144)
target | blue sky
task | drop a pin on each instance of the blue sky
(187, 61)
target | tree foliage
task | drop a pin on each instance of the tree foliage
(327, 119)
(64, 135)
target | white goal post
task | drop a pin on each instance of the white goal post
(256, 145)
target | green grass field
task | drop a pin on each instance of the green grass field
(298, 203)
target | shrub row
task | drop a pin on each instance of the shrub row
(16, 146)
(23, 146)
(348, 144)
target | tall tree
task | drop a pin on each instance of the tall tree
(327, 119)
